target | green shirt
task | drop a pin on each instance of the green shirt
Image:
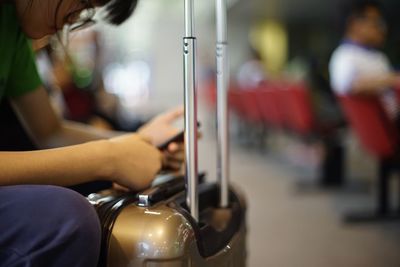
(18, 73)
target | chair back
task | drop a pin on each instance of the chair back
(299, 112)
(371, 124)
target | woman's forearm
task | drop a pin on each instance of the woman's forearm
(73, 133)
(44, 126)
(61, 166)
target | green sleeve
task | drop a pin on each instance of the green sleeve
(23, 76)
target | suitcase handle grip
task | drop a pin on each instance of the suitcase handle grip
(163, 191)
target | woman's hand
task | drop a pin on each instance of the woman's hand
(160, 129)
(174, 157)
(135, 162)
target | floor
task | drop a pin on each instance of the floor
(289, 229)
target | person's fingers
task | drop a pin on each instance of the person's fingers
(173, 165)
(176, 147)
(172, 131)
(174, 160)
(179, 157)
(177, 154)
(173, 147)
(164, 162)
(173, 114)
(121, 188)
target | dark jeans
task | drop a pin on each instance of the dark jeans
(47, 226)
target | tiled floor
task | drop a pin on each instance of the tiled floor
(287, 229)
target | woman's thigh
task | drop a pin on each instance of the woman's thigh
(47, 226)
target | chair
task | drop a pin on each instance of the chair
(379, 136)
(301, 121)
(209, 91)
(234, 102)
(300, 113)
(243, 102)
(271, 105)
(251, 108)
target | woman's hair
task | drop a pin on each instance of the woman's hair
(117, 11)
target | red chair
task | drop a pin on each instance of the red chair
(235, 103)
(288, 106)
(379, 136)
(299, 114)
(396, 90)
(271, 105)
(210, 93)
(251, 108)
(250, 130)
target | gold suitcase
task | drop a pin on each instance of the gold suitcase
(154, 228)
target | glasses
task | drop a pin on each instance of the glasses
(82, 17)
(79, 19)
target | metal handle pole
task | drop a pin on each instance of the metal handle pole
(222, 101)
(189, 59)
(189, 22)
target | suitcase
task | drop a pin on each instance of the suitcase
(154, 227)
(180, 220)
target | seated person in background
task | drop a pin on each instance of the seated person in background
(42, 223)
(357, 66)
(251, 74)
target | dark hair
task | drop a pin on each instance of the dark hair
(351, 10)
(358, 8)
(117, 11)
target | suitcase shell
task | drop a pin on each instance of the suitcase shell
(164, 234)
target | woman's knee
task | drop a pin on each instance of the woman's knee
(60, 220)
(73, 214)
(78, 226)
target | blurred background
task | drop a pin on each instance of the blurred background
(293, 151)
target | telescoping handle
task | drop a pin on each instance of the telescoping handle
(190, 98)
(222, 102)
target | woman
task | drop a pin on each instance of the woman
(42, 224)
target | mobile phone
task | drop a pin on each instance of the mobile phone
(178, 138)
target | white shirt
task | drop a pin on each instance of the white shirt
(250, 74)
(350, 61)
